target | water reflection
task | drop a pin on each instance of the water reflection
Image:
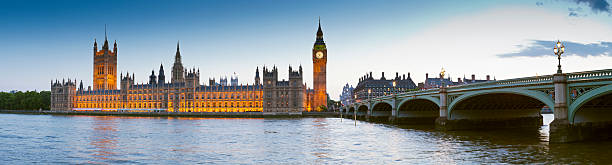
(161, 140)
(320, 138)
(103, 137)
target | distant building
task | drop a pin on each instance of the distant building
(368, 87)
(436, 82)
(185, 93)
(347, 98)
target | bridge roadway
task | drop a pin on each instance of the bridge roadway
(581, 102)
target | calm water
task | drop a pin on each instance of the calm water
(145, 140)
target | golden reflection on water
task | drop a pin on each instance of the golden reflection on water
(164, 117)
(103, 139)
(322, 142)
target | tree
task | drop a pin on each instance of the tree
(29, 100)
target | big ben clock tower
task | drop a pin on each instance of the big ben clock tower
(319, 62)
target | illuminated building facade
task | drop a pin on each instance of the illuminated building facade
(184, 92)
(105, 66)
(319, 72)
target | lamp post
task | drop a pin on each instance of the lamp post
(394, 90)
(442, 77)
(558, 50)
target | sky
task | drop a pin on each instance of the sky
(45, 40)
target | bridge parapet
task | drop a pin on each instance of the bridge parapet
(432, 91)
(590, 75)
(524, 81)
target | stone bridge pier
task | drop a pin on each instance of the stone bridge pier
(588, 117)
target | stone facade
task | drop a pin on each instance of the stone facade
(436, 82)
(183, 93)
(283, 96)
(347, 98)
(368, 87)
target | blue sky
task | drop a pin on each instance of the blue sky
(44, 40)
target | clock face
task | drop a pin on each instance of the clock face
(319, 55)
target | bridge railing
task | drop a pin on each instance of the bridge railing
(507, 82)
(574, 76)
(590, 75)
(411, 93)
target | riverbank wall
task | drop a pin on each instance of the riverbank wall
(184, 114)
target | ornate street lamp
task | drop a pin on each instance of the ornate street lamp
(558, 50)
(442, 77)
(394, 90)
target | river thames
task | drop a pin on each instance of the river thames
(150, 140)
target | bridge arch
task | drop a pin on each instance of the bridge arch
(432, 99)
(529, 100)
(382, 106)
(362, 110)
(418, 110)
(593, 106)
(381, 111)
(351, 110)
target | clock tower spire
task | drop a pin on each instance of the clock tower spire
(319, 61)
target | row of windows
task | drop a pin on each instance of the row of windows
(100, 70)
(216, 110)
(150, 91)
(162, 105)
(157, 97)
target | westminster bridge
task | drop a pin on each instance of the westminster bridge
(581, 102)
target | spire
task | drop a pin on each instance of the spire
(161, 79)
(177, 57)
(115, 48)
(319, 31)
(319, 42)
(105, 46)
(95, 48)
(161, 68)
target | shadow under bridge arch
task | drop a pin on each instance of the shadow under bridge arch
(499, 104)
(381, 109)
(593, 106)
(362, 111)
(418, 110)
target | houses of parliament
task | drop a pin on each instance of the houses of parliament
(184, 92)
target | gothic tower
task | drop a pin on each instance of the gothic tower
(105, 66)
(319, 60)
(161, 78)
(178, 74)
(257, 76)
